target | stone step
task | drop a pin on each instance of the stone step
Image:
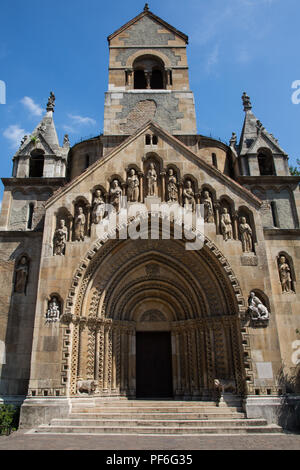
(157, 423)
(132, 430)
(161, 415)
(154, 409)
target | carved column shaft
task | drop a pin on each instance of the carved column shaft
(141, 181)
(163, 185)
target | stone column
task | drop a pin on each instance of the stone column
(88, 226)
(235, 225)
(148, 75)
(82, 349)
(163, 185)
(180, 193)
(217, 207)
(141, 181)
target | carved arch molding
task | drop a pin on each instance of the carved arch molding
(133, 285)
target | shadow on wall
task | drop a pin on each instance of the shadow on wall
(289, 411)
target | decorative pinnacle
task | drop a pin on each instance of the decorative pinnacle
(146, 7)
(51, 102)
(233, 140)
(246, 102)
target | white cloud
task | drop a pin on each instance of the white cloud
(32, 107)
(82, 120)
(15, 134)
(212, 59)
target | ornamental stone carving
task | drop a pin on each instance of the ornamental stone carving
(79, 225)
(189, 196)
(226, 225)
(152, 189)
(257, 310)
(53, 310)
(285, 275)
(60, 238)
(133, 190)
(246, 235)
(172, 187)
(98, 210)
(21, 277)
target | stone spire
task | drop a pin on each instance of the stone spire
(51, 102)
(246, 102)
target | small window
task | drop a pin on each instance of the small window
(36, 165)
(154, 140)
(30, 216)
(87, 161)
(148, 139)
(266, 164)
(275, 214)
(140, 82)
(214, 160)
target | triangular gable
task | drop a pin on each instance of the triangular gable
(157, 19)
(263, 140)
(173, 141)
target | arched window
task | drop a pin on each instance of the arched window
(214, 160)
(30, 216)
(266, 163)
(149, 73)
(36, 164)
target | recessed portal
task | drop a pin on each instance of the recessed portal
(153, 365)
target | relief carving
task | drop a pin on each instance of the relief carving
(53, 310)
(258, 311)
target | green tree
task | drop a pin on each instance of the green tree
(295, 170)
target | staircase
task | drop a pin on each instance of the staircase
(149, 417)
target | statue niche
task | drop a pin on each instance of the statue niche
(189, 200)
(81, 219)
(226, 224)
(172, 188)
(60, 238)
(208, 207)
(53, 309)
(285, 274)
(116, 195)
(133, 190)
(151, 180)
(98, 207)
(245, 235)
(21, 275)
(257, 310)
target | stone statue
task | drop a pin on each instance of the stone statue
(66, 141)
(189, 196)
(21, 276)
(80, 225)
(152, 181)
(257, 309)
(208, 208)
(172, 187)
(51, 102)
(60, 238)
(116, 195)
(226, 225)
(133, 190)
(246, 102)
(53, 310)
(98, 207)
(285, 274)
(246, 235)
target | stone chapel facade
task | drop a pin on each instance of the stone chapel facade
(90, 315)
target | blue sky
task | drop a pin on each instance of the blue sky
(234, 46)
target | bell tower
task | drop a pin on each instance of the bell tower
(148, 78)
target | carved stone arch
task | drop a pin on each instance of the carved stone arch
(102, 338)
(131, 59)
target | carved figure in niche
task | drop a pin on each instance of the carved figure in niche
(53, 310)
(189, 196)
(133, 190)
(152, 181)
(172, 187)
(208, 208)
(257, 309)
(285, 275)
(21, 276)
(98, 207)
(60, 238)
(80, 225)
(116, 195)
(226, 225)
(246, 235)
